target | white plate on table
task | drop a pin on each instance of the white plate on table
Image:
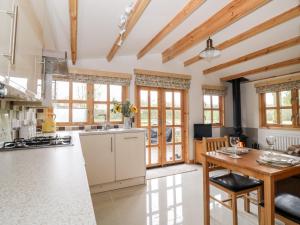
(279, 159)
(231, 150)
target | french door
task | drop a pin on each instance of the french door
(161, 113)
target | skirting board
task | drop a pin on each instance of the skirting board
(117, 185)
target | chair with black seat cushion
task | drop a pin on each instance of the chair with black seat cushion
(287, 209)
(287, 201)
(235, 185)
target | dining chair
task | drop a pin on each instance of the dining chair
(234, 185)
(287, 201)
(287, 209)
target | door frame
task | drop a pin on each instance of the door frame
(185, 124)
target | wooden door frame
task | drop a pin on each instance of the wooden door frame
(185, 125)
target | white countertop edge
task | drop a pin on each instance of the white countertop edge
(112, 131)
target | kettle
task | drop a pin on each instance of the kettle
(49, 124)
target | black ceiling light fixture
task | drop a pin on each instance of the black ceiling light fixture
(210, 51)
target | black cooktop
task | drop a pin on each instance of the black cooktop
(37, 142)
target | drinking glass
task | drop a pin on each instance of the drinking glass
(234, 141)
(271, 142)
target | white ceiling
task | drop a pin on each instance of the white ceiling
(98, 28)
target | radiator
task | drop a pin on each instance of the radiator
(283, 142)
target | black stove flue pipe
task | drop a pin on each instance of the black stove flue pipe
(236, 101)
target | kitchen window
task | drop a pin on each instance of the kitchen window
(280, 108)
(77, 103)
(60, 97)
(104, 97)
(213, 110)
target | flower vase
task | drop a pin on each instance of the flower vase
(127, 122)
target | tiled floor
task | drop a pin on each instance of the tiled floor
(171, 200)
(171, 170)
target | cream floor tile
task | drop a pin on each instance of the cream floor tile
(171, 200)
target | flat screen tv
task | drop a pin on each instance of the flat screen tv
(202, 130)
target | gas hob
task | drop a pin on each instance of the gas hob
(37, 142)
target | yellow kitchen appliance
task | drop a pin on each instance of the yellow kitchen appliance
(49, 124)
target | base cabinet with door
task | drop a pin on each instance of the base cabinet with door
(198, 150)
(114, 158)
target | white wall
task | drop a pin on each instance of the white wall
(127, 64)
(250, 114)
(249, 104)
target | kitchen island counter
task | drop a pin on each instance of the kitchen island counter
(46, 186)
(112, 131)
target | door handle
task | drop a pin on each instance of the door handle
(111, 144)
(128, 138)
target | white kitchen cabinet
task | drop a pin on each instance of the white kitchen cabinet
(99, 155)
(27, 68)
(114, 158)
(5, 30)
(130, 155)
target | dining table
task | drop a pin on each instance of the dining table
(248, 166)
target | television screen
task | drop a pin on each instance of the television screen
(202, 130)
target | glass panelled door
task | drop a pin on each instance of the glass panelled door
(173, 126)
(149, 118)
(161, 113)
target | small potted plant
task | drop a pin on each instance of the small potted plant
(127, 109)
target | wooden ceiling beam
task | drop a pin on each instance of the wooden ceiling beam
(188, 9)
(262, 69)
(278, 79)
(73, 12)
(137, 12)
(192, 60)
(277, 20)
(273, 48)
(231, 13)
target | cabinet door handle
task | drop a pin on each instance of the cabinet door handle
(128, 138)
(111, 144)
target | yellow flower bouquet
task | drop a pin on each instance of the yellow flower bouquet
(127, 109)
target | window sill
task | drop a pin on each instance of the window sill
(218, 126)
(279, 128)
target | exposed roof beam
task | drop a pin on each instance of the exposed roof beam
(262, 69)
(192, 60)
(231, 13)
(286, 16)
(278, 79)
(73, 11)
(189, 8)
(138, 10)
(279, 46)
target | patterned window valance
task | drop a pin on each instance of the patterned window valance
(94, 76)
(280, 84)
(163, 80)
(214, 90)
(93, 79)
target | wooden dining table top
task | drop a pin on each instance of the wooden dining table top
(248, 161)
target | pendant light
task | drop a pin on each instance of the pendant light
(210, 51)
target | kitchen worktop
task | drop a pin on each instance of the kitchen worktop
(45, 186)
(112, 131)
